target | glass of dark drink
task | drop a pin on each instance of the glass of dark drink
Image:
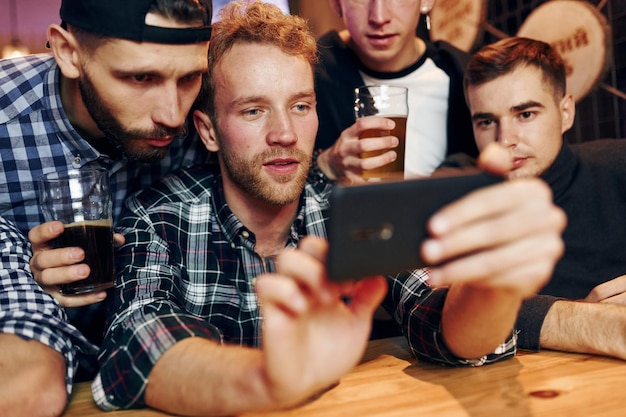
(390, 102)
(81, 200)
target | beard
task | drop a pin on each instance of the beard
(121, 138)
(279, 190)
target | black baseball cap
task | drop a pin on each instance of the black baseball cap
(125, 19)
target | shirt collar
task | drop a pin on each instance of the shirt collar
(233, 227)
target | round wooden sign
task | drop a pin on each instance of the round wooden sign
(459, 22)
(580, 33)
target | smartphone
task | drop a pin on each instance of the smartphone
(378, 228)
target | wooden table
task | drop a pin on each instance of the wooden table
(390, 383)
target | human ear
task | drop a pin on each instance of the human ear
(336, 7)
(206, 131)
(65, 50)
(568, 112)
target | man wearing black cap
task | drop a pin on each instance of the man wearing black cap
(114, 93)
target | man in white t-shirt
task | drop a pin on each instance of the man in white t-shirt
(379, 45)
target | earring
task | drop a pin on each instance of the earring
(425, 10)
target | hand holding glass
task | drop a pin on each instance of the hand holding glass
(390, 102)
(81, 200)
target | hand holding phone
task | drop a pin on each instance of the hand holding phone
(377, 229)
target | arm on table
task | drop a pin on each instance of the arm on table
(594, 325)
(583, 327)
(494, 248)
(310, 338)
(32, 381)
(37, 345)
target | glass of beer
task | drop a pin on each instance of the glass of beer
(81, 200)
(390, 102)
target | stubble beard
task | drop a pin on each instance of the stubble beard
(279, 190)
(119, 136)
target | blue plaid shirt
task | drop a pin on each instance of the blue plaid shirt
(36, 137)
(187, 269)
(27, 311)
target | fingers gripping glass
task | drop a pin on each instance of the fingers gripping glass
(390, 102)
(81, 200)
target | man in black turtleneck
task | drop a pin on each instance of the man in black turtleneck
(516, 92)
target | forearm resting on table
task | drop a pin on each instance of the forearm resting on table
(576, 326)
(199, 377)
(32, 378)
(476, 320)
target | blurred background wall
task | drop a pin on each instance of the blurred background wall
(601, 112)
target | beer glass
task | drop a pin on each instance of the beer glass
(390, 102)
(81, 200)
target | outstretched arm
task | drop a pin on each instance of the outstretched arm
(494, 248)
(157, 352)
(310, 339)
(499, 246)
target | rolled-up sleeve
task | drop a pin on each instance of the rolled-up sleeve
(417, 308)
(530, 320)
(29, 312)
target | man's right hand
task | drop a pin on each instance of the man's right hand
(311, 336)
(53, 267)
(342, 162)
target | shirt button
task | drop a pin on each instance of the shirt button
(245, 234)
(232, 245)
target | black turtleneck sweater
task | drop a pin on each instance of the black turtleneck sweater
(588, 181)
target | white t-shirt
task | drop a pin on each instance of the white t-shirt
(426, 131)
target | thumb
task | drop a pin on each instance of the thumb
(366, 296)
(315, 246)
(495, 159)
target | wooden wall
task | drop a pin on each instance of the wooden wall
(319, 14)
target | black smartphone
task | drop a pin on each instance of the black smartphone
(377, 228)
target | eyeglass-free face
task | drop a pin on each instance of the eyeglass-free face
(382, 32)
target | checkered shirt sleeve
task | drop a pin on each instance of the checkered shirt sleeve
(27, 311)
(417, 308)
(36, 137)
(187, 269)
